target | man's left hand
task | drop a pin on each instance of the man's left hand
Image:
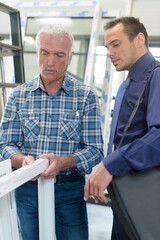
(54, 165)
(97, 182)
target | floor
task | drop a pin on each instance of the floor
(100, 222)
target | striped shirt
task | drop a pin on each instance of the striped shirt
(66, 124)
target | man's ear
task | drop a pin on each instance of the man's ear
(70, 57)
(140, 40)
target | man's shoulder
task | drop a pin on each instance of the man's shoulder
(25, 87)
(154, 65)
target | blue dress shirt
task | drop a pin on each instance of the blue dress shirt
(140, 149)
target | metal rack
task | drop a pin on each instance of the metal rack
(13, 50)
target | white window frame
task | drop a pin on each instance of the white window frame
(11, 180)
(8, 215)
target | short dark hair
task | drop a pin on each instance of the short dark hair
(132, 26)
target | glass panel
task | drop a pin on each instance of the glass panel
(4, 95)
(5, 34)
(7, 70)
(99, 70)
(155, 52)
(31, 66)
(8, 92)
(1, 103)
(34, 24)
(77, 66)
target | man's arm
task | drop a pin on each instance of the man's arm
(11, 132)
(143, 153)
(17, 160)
(57, 164)
(91, 140)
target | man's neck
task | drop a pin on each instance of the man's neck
(52, 86)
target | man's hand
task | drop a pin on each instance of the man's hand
(28, 160)
(98, 181)
(54, 165)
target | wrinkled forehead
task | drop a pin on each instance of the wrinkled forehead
(51, 39)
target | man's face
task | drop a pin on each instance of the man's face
(122, 52)
(53, 57)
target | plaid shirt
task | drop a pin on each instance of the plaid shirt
(67, 123)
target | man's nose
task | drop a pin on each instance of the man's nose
(51, 60)
(109, 52)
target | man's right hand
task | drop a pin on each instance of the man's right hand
(29, 160)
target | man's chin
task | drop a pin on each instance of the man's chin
(120, 68)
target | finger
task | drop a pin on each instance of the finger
(43, 156)
(47, 155)
(35, 178)
(86, 191)
(47, 174)
(27, 161)
(44, 174)
(102, 197)
(96, 200)
(94, 191)
(48, 177)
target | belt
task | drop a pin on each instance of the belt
(68, 178)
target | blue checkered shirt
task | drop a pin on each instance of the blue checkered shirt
(67, 123)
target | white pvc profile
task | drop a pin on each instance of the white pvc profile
(8, 215)
(55, 3)
(93, 43)
(46, 209)
(11, 180)
(15, 179)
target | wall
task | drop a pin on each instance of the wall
(149, 16)
(146, 10)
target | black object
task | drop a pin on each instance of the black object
(68, 178)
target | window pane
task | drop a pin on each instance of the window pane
(7, 70)
(5, 34)
(155, 52)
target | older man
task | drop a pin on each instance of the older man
(56, 117)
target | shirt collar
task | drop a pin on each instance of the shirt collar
(66, 84)
(37, 83)
(140, 66)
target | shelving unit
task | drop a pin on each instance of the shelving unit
(13, 51)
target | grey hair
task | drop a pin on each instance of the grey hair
(56, 30)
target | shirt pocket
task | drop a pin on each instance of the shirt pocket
(70, 127)
(31, 126)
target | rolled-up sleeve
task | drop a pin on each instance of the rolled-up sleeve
(10, 130)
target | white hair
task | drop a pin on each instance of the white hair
(55, 30)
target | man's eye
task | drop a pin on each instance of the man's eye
(116, 45)
(44, 53)
(60, 55)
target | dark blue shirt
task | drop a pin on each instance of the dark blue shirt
(140, 149)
